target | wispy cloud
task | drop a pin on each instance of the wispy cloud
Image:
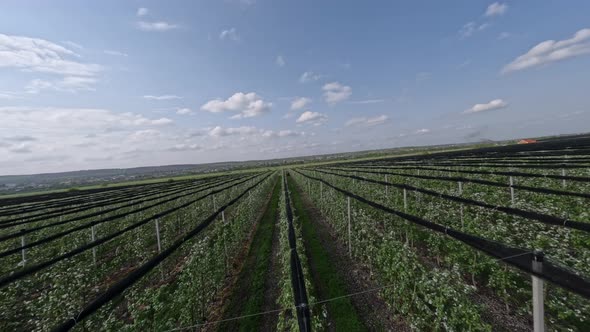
(470, 28)
(161, 97)
(142, 11)
(367, 101)
(39, 55)
(73, 44)
(335, 92)
(229, 34)
(552, 51)
(9, 95)
(280, 61)
(67, 84)
(495, 104)
(367, 121)
(156, 26)
(115, 53)
(496, 9)
(309, 76)
(184, 111)
(300, 103)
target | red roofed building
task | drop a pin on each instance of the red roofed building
(527, 141)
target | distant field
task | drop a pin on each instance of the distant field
(245, 170)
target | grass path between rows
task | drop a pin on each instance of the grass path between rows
(248, 296)
(329, 283)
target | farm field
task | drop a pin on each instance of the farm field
(448, 241)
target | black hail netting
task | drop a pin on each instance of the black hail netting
(520, 258)
(544, 218)
(297, 278)
(93, 223)
(6, 279)
(120, 286)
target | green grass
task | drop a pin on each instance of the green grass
(342, 312)
(248, 297)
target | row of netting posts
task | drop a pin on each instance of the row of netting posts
(536, 262)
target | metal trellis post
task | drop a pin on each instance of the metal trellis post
(158, 235)
(512, 190)
(461, 206)
(22, 243)
(538, 294)
(93, 238)
(349, 229)
(405, 199)
(224, 238)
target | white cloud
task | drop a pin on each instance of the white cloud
(156, 26)
(74, 45)
(161, 121)
(144, 135)
(162, 97)
(280, 61)
(39, 55)
(335, 92)
(282, 133)
(309, 76)
(249, 131)
(492, 105)
(367, 101)
(422, 131)
(504, 35)
(471, 27)
(366, 121)
(82, 120)
(551, 51)
(115, 53)
(142, 11)
(314, 118)
(244, 130)
(496, 9)
(230, 34)
(185, 147)
(184, 111)
(247, 105)
(8, 95)
(67, 84)
(300, 103)
(287, 133)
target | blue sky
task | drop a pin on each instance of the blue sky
(87, 85)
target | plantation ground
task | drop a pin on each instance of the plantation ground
(438, 241)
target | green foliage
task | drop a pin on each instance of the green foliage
(457, 268)
(341, 311)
